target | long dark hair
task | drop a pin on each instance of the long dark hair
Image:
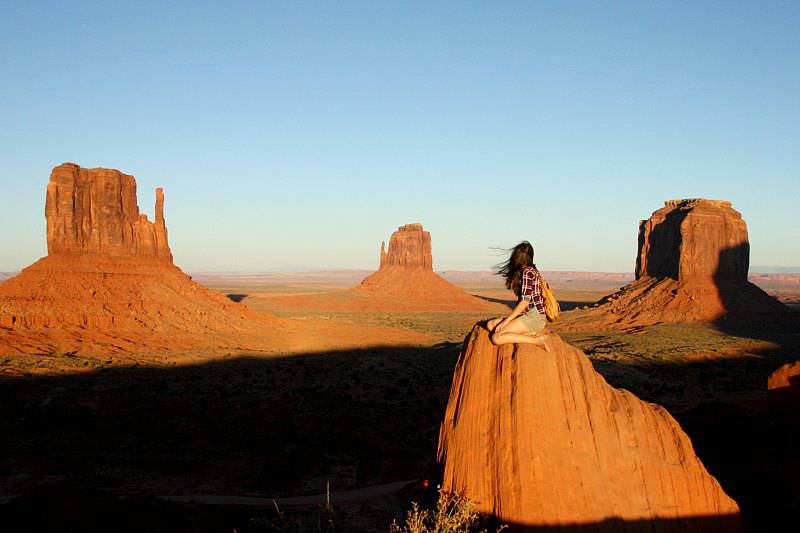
(521, 256)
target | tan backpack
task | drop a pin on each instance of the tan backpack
(551, 307)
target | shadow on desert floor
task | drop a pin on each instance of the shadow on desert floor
(287, 425)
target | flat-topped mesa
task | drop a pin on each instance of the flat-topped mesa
(691, 266)
(409, 246)
(694, 241)
(95, 211)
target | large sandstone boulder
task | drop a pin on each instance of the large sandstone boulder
(540, 439)
(108, 284)
(783, 392)
(691, 266)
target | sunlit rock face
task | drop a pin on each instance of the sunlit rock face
(539, 439)
(409, 246)
(108, 284)
(95, 211)
(694, 241)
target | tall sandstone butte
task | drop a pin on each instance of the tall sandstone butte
(108, 284)
(539, 439)
(94, 211)
(405, 280)
(691, 266)
(409, 246)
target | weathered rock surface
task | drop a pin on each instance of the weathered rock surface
(691, 266)
(694, 241)
(108, 284)
(783, 391)
(95, 211)
(409, 246)
(406, 280)
(540, 439)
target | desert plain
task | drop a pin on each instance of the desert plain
(136, 397)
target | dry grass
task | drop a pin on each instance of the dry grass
(453, 514)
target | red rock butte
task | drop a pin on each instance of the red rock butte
(94, 211)
(540, 440)
(409, 246)
(691, 266)
(108, 284)
(406, 280)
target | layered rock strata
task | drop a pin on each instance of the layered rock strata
(95, 211)
(539, 439)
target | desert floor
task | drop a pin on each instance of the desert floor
(110, 437)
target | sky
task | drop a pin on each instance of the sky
(300, 134)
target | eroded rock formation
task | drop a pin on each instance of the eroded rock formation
(691, 266)
(405, 280)
(540, 439)
(108, 284)
(409, 246)
(95, 211)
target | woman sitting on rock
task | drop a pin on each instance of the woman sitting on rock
(526, 323)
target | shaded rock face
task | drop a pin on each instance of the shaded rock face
(688, 241)
(409, 246)
(540, 439)
(108, 284)
(783, 392)
(691, 266)
(95, 211)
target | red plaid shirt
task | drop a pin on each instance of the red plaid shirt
(531, 287)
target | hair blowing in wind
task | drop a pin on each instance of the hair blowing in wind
(520, 257)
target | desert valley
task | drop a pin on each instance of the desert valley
(138, 397)
(399, 267)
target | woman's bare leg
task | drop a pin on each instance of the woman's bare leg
(518, 333)
(491, 324)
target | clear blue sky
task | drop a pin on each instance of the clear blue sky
(302, 134)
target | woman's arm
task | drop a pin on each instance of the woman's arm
(520, 308)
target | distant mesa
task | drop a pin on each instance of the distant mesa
(691, 266)
(406, 277)
(409, 246)
(108, 284)
(540, 440)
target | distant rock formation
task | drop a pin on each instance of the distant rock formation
(108, 284)
(783, 392)
(406, 281)
(539, 439)
(691, 266)
(409, 246)
(94, 211)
